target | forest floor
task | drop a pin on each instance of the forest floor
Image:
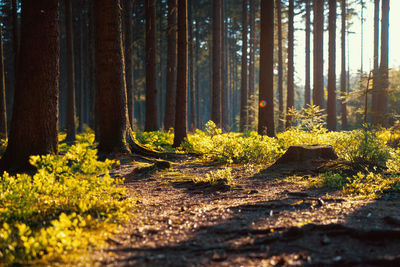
(261, 220)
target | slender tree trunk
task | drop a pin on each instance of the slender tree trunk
(128, 5)
(191, 69)
(375, 94)
(280, 66)
(16, 45)
(307, 87)
(197, 74)
(384, 71)
(169, 119)
(225, 66)
(343, 94)
(3, 109)
(332, 67)
(92, 70)
(244, 84)
(266, 122)
(34, 126)
(252, 40)
(216, 108)
(71, 107)
(182, 82)
(318, 91)
(290, 73)
(151, 123)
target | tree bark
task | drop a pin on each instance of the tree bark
(216, 108)
(182, 82)
(225, 71)
(307, 87)
(34, 126)
(375, 94)
(343, 90)
(318, 91)
(290, 72)
(383, 69)
(266, 122)
(151, 121)
(128, 5)
(244, 84)
(191, 69)
(332, 67)
(3, 109)
(252, 44)
(280, 66)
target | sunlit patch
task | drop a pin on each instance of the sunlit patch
(262, 104)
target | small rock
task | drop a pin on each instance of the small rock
(325, 240)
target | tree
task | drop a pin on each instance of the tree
(191, 68)
(307, 87)
(375, 95)
(318, 91)
(182, 82)
(243, 92)
(252, 43)
(290, 72)
(383, 69)
(278, 7)
(217, 63)
(128, 9)
(266, 96)
(34, 126)
(169, 119)
(71, 107)
(332, 67)
(151, 123)
(343, 91)
(3, 109)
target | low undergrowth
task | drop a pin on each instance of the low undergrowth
(70, 205)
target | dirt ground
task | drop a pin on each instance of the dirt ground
(261, 220)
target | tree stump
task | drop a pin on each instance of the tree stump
(304, 158)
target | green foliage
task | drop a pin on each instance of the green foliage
(221, 176)
(333, 180)
(311, 118)
(65, 207)
(161, 141)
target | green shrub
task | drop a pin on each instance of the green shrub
(222, 176)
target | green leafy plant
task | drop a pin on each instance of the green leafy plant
(221, 176)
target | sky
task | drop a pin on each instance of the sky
(354, 42)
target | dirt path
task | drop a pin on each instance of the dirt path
(260, 221)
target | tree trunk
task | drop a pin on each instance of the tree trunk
(244, 85)
(384, 71)
(318, 91)
(216, 108)
(290, 72)
(191, 69)
(375, 94)
(182, 82)
(252, 40)
(34, 126)
(151, 123)
(307, 87)
(169, 119)
(266, 96)
(280, 66)
(128, 5)
(332, 67)
(3, 109)
(343, 91)
(225, 71)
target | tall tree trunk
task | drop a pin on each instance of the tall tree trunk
(375, 94)
(191, 69)
(266, 122)
(128, 5)
(151, 123)
(92, 70)
(332, 67)
(225, 66)
(16, 47)
(197, 75)
(3, 109)
(34, 126)
(182, 82)
(216, 108)
(252, 40)
(307, 87)
(343, 83)
(384, 71)
(280, 66)
(71, 107)
(169, 119)
(244, 84)
(290, 73)
(318, 91)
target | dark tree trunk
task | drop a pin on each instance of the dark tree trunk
(3, 109)
(343, 90)
(383, 69)
(266, 112)
(34, 125)
(191, 69)
(169, 119)
(252, 41)
(332, 67)
(280, 66)
(197, 58)
(290, 67)
(307, 88)
(71, 107)
(225, 66)
(182, 82)
(15, 34)
(151, 123)
(375, 94)
(111, 99)
(216, 108)
(318, 91)
(92, 70)
(128, 5)
(244, 85)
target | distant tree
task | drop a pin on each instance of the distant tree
(252, 44)
(71, 106)
(244, 85)
(217, 63)
(307, 87)
(34, 126)
(266, 95)
(3, 109)
(281, 119)
(128, 21)
(343, 90)
(318, 91)
(332, 67)
(375, 94)
(290, 67)
(169, 119)
(383, 69)
(151, 123)
(182, 80)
